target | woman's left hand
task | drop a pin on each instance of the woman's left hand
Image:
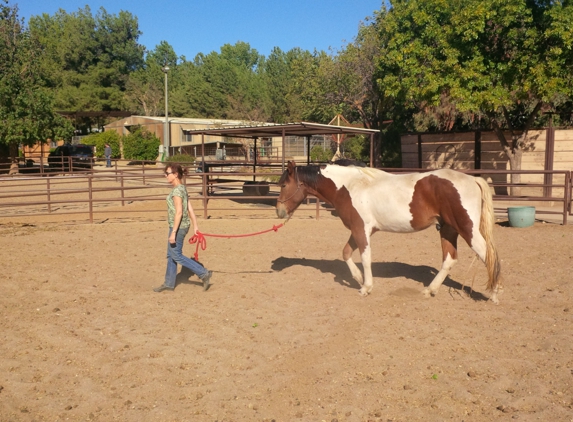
(172, 238)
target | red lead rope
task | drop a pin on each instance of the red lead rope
(200, 240)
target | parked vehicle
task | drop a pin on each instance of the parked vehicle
(79, 156)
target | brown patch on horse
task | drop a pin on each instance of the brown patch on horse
(350, 217)
(342, 202)
(437, 200)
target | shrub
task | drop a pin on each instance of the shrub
(357, 148)
(141, 145)
(182, 159)
(319, 154)
(100, 139)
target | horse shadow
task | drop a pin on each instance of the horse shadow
(338, 268)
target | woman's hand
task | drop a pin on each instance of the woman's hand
(172, 240)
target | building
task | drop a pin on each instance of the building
(230, 141)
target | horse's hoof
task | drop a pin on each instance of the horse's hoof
(495, 300)
(363, 292)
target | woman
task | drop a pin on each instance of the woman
(179, 215)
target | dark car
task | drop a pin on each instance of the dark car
(79, 156)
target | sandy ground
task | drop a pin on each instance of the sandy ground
(282, 334)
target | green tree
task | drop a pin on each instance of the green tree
(351, 86)
(27, 114)
(230, 84)
(145, 89)
(88, 57)
(283, 84)
(309, 86)
(504, 60)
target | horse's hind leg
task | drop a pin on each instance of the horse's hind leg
(349, 248)
(449, 239)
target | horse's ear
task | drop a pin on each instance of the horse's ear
(290, 167)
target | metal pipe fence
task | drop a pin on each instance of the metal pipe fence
(141, 189)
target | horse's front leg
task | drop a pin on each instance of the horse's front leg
(349, 248)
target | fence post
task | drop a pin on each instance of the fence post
(122, 193)
(567, 196)
(419, 151)
(205, 199)
(477, 150)
(91, 205)
(143, 171)
(549, 158)
(49, 196)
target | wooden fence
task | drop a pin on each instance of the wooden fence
(139, 191)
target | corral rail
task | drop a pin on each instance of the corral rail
(139, 190)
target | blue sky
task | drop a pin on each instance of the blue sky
(193, 26)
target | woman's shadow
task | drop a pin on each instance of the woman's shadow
(420, 273)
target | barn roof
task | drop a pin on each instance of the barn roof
(278, 130)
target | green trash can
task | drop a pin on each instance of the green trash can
(521, 216)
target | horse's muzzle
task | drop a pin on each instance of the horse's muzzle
(281, 211)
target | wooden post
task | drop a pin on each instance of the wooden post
(203, 176)
(122, 191)
(284, 152)
(477, 150)
(49, 196)
(90, 196)
(549, 158)
(255, 159)
(419, 151)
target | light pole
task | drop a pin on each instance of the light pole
(166, 124)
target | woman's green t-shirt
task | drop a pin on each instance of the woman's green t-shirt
(180, 191)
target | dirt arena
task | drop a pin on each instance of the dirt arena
(282, 334)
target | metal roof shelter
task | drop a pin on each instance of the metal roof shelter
(304, 129)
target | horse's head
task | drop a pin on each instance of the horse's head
(293, 191)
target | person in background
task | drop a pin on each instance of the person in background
(107, 153)
(179, 216)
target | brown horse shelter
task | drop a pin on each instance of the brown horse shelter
(547, 149)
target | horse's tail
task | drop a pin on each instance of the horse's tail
(486, 225)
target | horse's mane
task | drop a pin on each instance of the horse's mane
(349, 162)
(310, 174)
(307, 174)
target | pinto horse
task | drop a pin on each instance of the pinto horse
(368, 200)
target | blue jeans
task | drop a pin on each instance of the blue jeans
(108, 161)
(175, 256)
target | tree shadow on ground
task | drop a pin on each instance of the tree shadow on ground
(420, 273)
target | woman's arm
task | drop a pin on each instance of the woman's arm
(192, 216)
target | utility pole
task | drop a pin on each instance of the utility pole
(166, 124)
